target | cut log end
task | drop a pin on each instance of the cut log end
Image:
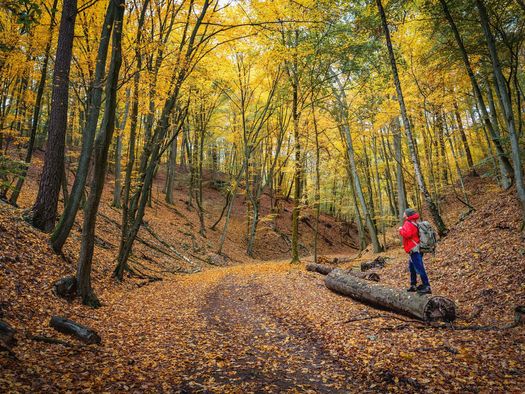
(440, 308)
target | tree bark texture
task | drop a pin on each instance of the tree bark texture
(61, 231)
(45, 208)
(324, 269)
(100, 159)
(424, 307)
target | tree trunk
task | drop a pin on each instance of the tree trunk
(297, 168)
(344, 126)
(442, 149)
(438, 221)
(506, 104)
(317, 183)
(359, 221)
(199, 191)
(170, 178)
(38, 106)
(424, 307)
(388, 176)
(505, 166)
(101, 149)
(464, 140)
(44, 210)
(134, 120)
(61, 231)
(117, 191)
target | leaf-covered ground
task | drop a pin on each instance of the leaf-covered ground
(269, 326)
(264, 328)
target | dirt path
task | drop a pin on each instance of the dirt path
(262, 328)
(269, 328)
(217, 332)
(272, 355)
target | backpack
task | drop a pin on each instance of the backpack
(427, 237)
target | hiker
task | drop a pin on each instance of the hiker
(411, 243)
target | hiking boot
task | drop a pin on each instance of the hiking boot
(424, 290)
(419, 287)
(412, 288)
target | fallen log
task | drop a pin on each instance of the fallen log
(319, 268)
(326, 269)
(342, 260)
(378, 262)
(79, 331)
(424, 307)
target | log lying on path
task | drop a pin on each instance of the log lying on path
(424, 307)
(378, 262)
(335, 260)
(323, 269)
(326, 269)
(79, 331)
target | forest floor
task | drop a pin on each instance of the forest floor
(267, 326)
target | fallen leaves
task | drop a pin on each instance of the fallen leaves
(265, 326)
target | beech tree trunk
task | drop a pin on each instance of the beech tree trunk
(134, 120)
(324, 269)
(424, 307)
(344, 126)
(438, 221)
(506, 103)
(117, 191)
(464, 140)
(100, 159)
(38, 106)
(170, 177)
(297, 163)
(504, 163)
(44, 210)
(61, 231)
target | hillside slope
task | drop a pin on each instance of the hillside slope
(178, 224)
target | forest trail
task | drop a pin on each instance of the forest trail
(266, 327)
(220, 331)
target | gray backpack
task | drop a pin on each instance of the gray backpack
(427, 237)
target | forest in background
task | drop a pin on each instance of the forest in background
(357, 109)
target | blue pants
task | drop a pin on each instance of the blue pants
(416, 266)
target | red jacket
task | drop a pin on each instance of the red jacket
(410, 233)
